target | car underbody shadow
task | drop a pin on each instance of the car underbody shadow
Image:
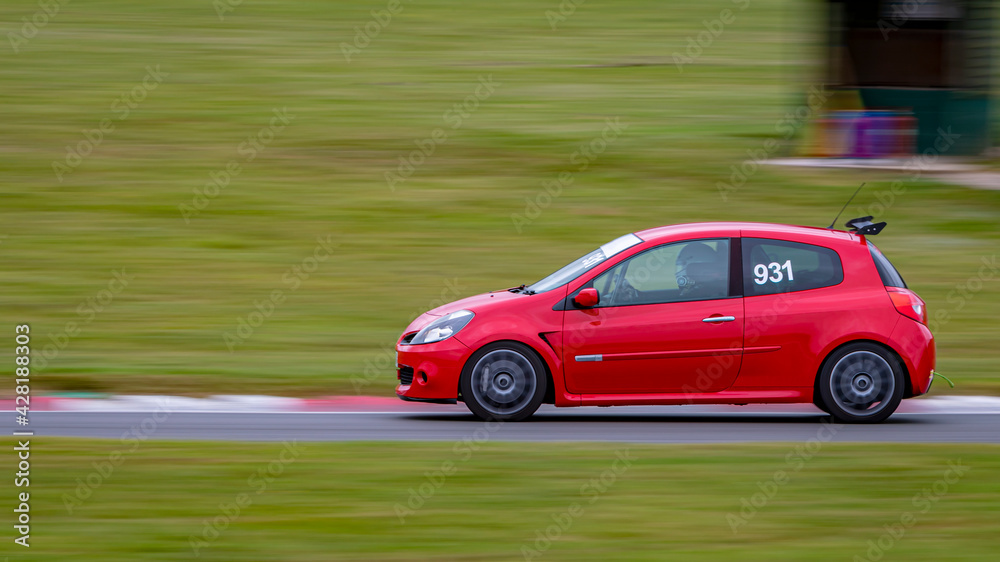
(817, 418)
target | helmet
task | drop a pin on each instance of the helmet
(695, 253)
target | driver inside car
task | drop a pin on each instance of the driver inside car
(700, 272)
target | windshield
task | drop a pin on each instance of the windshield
(582, 265)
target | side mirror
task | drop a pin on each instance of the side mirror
(587, 298)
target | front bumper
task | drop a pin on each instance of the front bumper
(435, 368)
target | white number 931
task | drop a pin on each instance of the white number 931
(760, 272)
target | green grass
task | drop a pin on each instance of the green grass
(338, 501)
(451, 220)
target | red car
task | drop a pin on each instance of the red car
(707, 313)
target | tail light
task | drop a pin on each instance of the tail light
(908, 304)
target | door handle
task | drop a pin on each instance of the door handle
(717, 319)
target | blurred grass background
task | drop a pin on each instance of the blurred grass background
(337, 501)
(323, 175)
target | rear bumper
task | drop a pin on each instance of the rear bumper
(915, 344)
(436, 368)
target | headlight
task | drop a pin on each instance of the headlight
(443, 328)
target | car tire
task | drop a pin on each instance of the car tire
(503, 381)
(861, 383)
(818, 401)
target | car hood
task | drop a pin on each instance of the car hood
(474, 303)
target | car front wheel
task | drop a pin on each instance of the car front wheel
(503, 381)
(861, 383)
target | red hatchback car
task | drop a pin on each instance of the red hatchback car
(708, 313)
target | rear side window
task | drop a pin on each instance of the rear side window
(890, 277)
(778, 266)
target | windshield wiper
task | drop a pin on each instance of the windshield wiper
(521, 289)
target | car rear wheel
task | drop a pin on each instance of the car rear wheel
(503, 381)
(818, 402)
(861, 383)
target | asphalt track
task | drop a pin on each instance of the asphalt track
(917, 421)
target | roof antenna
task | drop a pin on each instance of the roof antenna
(845, 206)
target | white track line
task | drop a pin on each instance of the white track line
(942, 405)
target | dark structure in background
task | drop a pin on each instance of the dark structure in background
(932, 59)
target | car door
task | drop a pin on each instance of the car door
(797, 300)
(669, 320)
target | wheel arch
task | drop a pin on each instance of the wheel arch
(549, 389)
(908, 385)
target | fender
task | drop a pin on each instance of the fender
(851, 338)
(546, 351)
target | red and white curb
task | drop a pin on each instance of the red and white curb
(389, 404)
(220, 403)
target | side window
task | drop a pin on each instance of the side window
(607, 282)
(779, 266)
(682, 271)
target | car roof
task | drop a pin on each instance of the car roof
(787, 231)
